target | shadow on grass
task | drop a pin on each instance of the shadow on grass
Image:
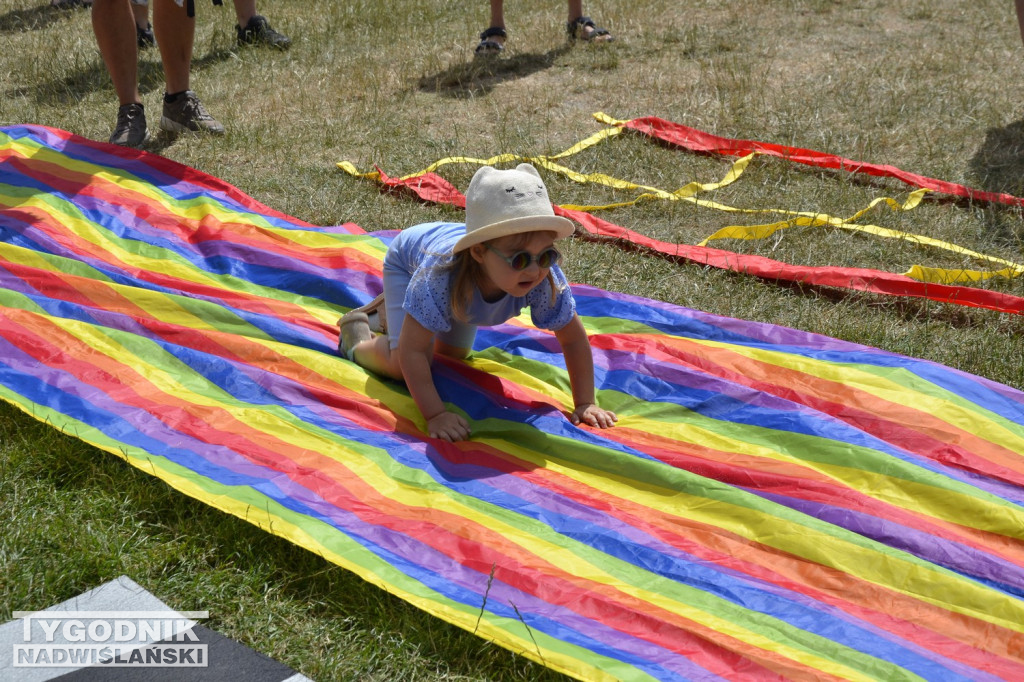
(482, 74)
(94, 77)
(998, 166)
(20, 20)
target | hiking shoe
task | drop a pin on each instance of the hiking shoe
(130, 130)
(258, 31)
(186, 114)
(144, 36)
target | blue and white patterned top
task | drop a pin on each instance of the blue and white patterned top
(424, 251)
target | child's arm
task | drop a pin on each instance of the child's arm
(415, 354)
(580, 363)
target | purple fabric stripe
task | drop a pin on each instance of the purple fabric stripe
(954, 555)
(288, 486)
(756, 331)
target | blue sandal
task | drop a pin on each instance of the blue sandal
(488, 46)
(577, 30)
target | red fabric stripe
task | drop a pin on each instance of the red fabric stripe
(90, 252)
(466, 542)
(174, 170)
(930, 436)
(209, 228)
(803, 482)
(962, 638)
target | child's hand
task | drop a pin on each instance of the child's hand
(448, 426)
(593, 415)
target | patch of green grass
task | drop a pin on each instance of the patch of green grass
(932, 88)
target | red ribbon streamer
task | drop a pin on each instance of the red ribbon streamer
(433, 188)
(691, 139)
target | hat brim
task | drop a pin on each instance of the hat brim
(562, 227)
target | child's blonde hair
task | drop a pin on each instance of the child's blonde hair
(469, 275)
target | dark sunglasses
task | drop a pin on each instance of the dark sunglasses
(520, 260)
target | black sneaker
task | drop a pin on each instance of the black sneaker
(145, 36)
(258, 31)
(130, 130)
(186, 114)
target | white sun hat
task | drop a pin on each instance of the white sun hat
(504, 202)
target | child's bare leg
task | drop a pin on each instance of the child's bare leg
(443, 348)
(376, 355)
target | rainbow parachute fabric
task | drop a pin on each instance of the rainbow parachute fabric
(772, 504)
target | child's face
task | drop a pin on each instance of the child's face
(501, 278)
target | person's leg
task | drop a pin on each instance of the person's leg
(175, 34)
(143, 29)
(377, 355)
(492, 40)
(244, 11)
(114, 26)
(498, 13)
(1020, 18)
(140, 10)
(377, 352)
(575, 10)
(580, 27)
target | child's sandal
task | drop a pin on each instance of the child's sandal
(577, 30)
(375, 312)
(488, 46)
(355, 328)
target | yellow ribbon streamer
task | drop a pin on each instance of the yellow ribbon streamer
(689, 191)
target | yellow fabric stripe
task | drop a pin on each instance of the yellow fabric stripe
(962, 507)
(167, 262)
(966, 416)
(414, 496)
(893, 570)
(512, 158)
(916, 272)
(193, 209)
(986, 512)
(275, 519)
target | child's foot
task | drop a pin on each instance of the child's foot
(584, 28)
(355, 328)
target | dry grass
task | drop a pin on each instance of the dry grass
(932, 87)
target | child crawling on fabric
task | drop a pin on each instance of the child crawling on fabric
(443, 280)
